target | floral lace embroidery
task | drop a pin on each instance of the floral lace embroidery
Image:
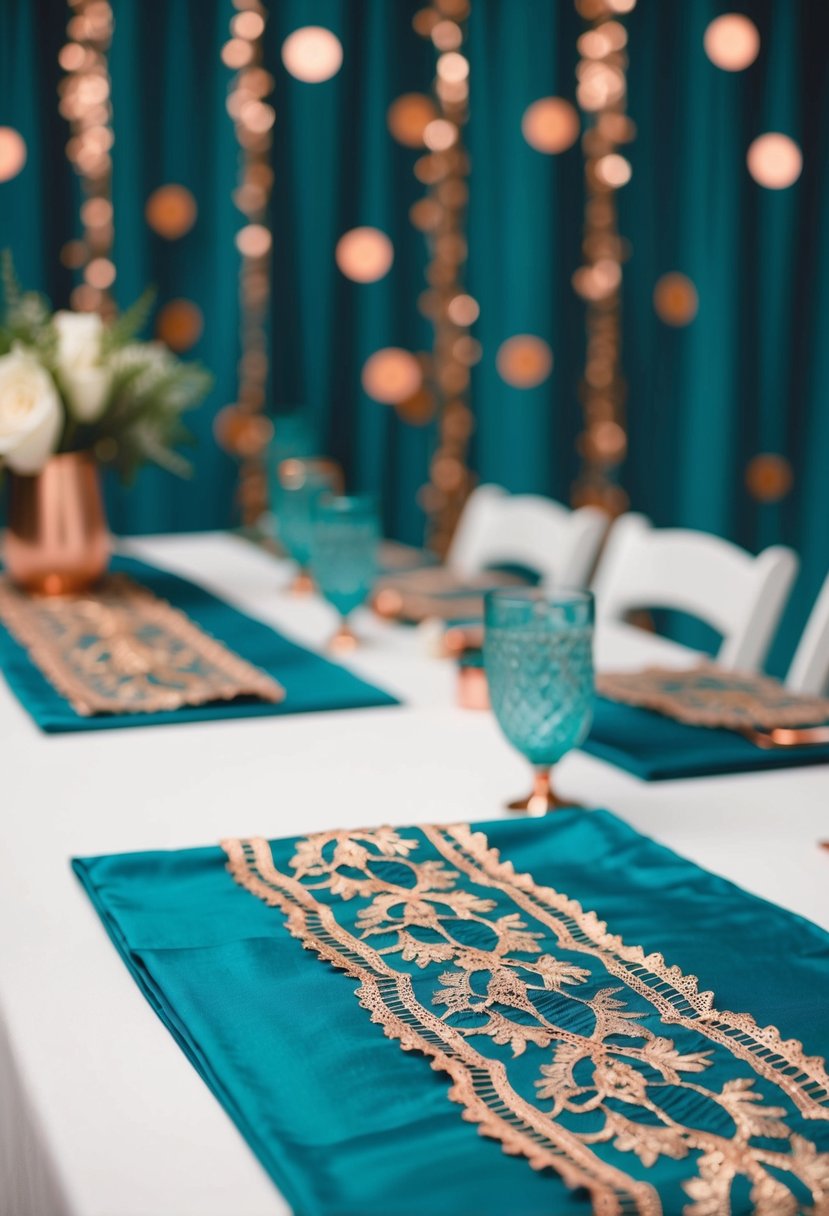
(122, 649)
(709, 695)
(523, 969)
(435, 592)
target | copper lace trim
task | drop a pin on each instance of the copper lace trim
(125, 650)
(711, 696)
(480, 1084)
(396, 558)
(436, 593)
(675, 996)
(638, 1084)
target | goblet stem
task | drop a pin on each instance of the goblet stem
(303, 584)
(344, 640)
(543, 798)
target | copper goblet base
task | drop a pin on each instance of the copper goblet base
(542, 799)
(344, 640)
(303, 584)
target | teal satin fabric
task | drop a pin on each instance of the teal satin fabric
(657, 748)
(452, 605)
(348, 1124)
(310, 681)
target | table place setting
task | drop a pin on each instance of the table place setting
(661, 724)
(151, 648)
(581, 1012)
(124, 648)
(411, 585)
(658, 723)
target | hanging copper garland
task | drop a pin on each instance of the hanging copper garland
(436, 384)
(602, 95)
(441, 215)
(243, 428)
(85, 103)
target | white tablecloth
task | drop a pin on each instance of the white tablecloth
(101, 1113)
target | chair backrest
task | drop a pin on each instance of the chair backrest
(739, 595)
(809, 671)
(498, 528)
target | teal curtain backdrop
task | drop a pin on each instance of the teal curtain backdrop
(750, 374)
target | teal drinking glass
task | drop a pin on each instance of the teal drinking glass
(302, 483)
(538, 655)
(293, 439)
(344, 544)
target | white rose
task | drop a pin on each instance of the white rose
(84, 379)
(31, 416)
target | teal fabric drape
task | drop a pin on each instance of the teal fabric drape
(748, 375)
(420, 938)
(310, 682)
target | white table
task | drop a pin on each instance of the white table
(98, 1102)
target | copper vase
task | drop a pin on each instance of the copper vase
(57, 540)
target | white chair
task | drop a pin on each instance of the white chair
(739, 595)
(809, 671)
(498, 528)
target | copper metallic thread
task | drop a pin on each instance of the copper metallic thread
(90, 29)
(243, 428)
(450, 478)
(603, 391)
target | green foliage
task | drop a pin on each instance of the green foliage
(27, 316)
(129, 324)
(150, 389)
(8, 278)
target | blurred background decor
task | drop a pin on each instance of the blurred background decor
(76, 393)
(243, 428)
(724, 294)
(601, 93)
(85, 103)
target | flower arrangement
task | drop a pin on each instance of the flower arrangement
(69, 383)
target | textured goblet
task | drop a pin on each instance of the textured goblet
(301, 485)
(538, 654)
(344, 541)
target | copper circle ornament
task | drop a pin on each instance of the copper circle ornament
(769, 477)
(171, 211)
(524, 361)
(675, 299)
(392, 375)
(550, 125)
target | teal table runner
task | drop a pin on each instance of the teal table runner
(397, 558)
(657, 748)
(464, 1034)
(310, 681)
(434, 592)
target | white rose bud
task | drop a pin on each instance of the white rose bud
(31, 415)
(85, 381)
